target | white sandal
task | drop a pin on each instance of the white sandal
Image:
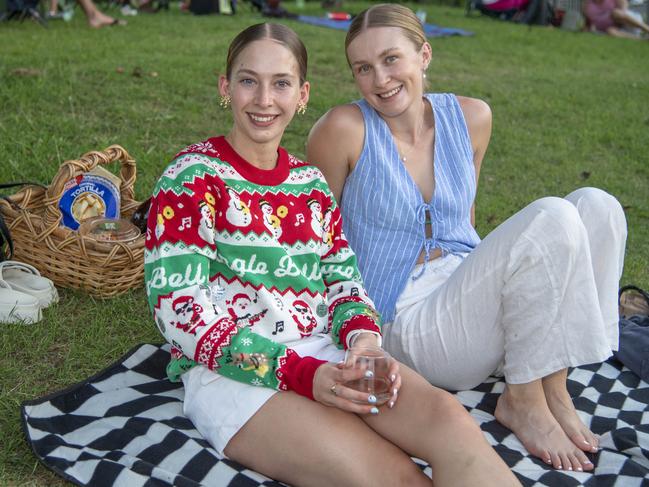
(16, 307)
(26, 279)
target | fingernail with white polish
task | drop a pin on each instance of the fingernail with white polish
(371, 399)
(579, 469)
(395, 392)
(369, 374)
(391, 404)
(374, 410)
(393, 377)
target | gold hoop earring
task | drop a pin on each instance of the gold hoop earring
(224, 102)
(301, 108)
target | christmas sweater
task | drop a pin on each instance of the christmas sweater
(240, 260)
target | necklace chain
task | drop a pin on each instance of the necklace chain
(404, 154)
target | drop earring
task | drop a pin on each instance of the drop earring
(301, 108)
(224, 102)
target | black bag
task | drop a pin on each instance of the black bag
(634, 345)
(538, 12)
(205, 7)
(634, 330)
(20, 5)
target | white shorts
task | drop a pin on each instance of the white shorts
(219, 406)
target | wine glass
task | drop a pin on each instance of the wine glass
(368, 368)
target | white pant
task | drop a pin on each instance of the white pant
(537, 295)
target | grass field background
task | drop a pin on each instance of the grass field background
(569, 110)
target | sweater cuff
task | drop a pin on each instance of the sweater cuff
(299, 372)
(358, 322)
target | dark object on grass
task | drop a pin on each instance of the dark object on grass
(22, 9)
(634, 330)
(531, 12)
(331, 3)
(204, 7)
(257, 4)
(278, 13)
(271, 8)
(634, 345)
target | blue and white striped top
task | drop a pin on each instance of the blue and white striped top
(384, 213)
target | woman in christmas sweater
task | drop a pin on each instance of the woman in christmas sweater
(252, 282)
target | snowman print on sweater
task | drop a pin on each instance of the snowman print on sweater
(238, 213)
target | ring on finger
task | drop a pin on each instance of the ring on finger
(333, 389)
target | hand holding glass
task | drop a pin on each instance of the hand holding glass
(368, 368)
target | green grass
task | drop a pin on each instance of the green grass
(569, 110)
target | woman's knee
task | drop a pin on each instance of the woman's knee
(445, 409)
(557, 223)
(597, 207)
(383, 464)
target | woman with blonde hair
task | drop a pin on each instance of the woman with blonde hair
(404, 166)
(259, 314)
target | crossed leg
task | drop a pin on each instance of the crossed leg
(304, 443)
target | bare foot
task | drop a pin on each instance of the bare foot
(562, 408)
(100, 20)
(531, 420)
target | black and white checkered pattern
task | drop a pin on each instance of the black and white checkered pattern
(125, 426)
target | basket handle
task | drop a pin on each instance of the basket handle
(87, 162)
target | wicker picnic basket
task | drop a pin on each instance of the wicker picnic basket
(102, 269)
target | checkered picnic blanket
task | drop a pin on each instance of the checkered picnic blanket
(125, 426)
